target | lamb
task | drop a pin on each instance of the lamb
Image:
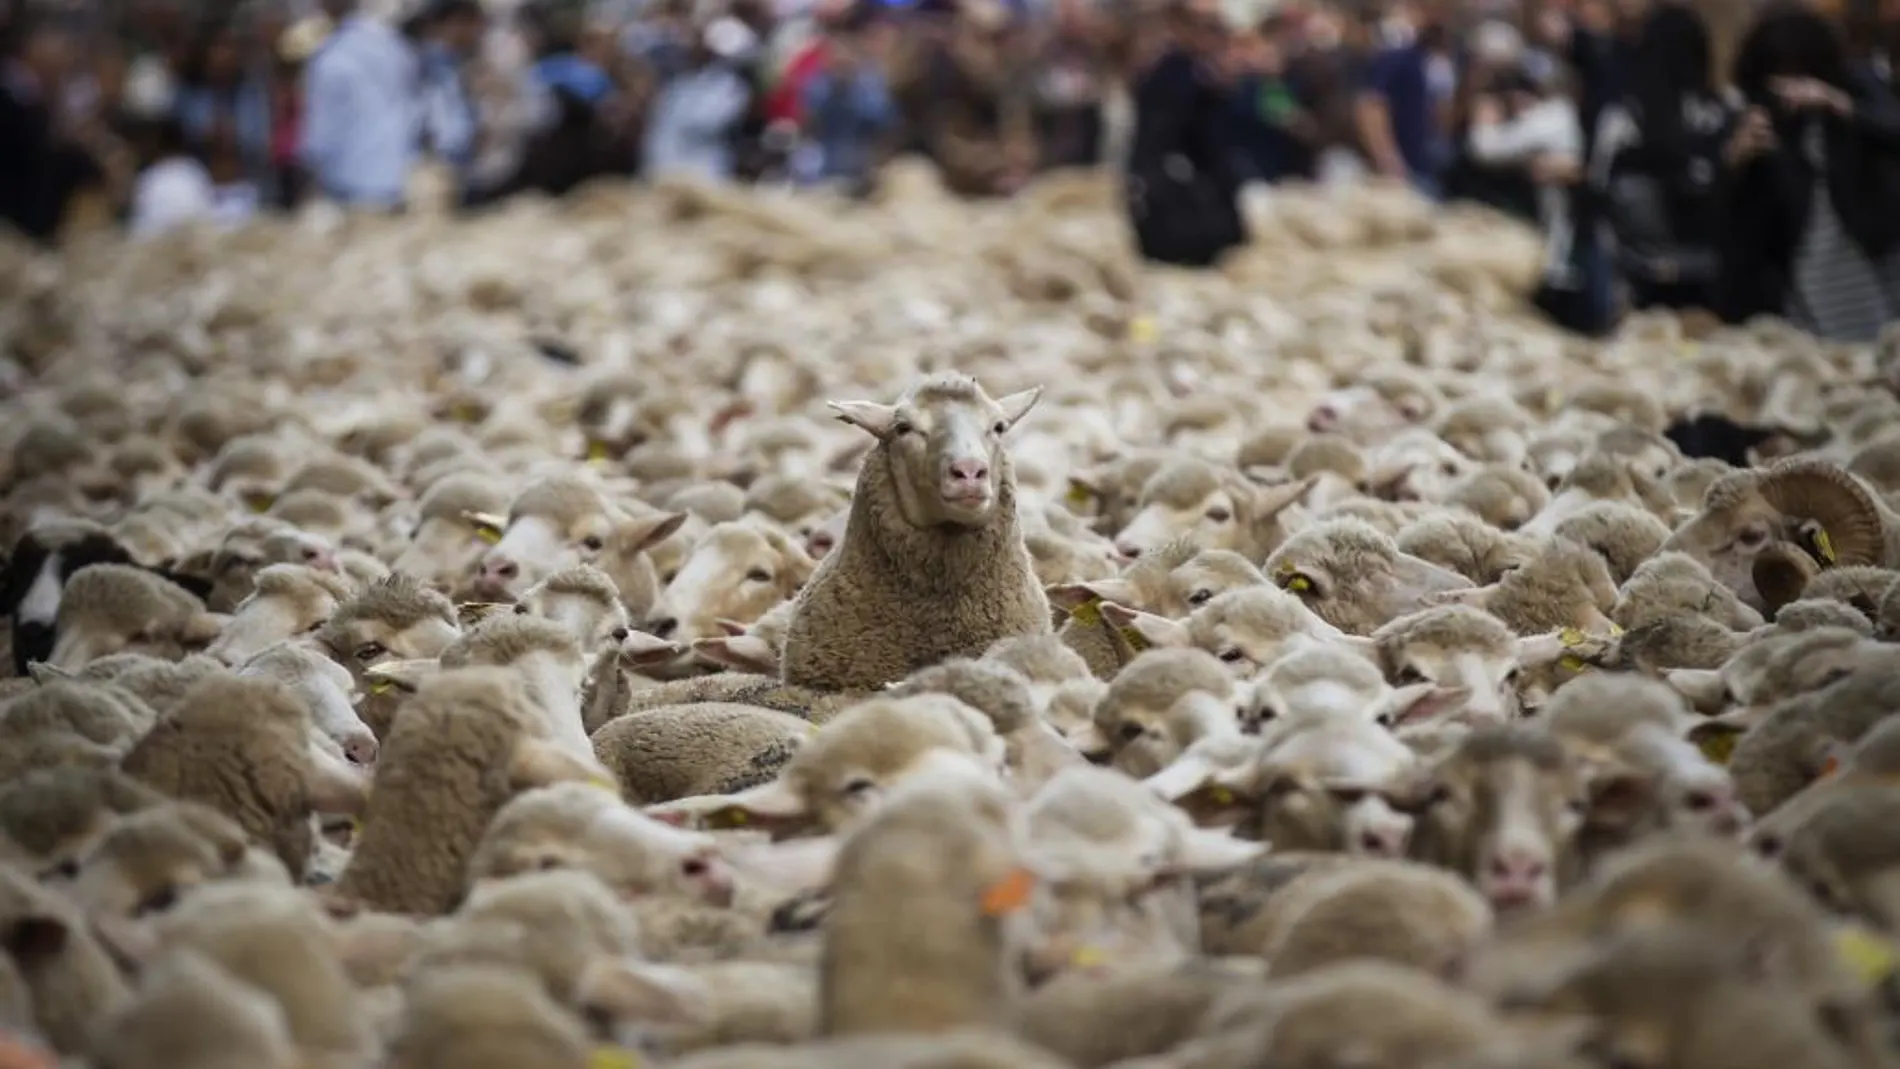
(844, 767)
(737, 572)
(444, 545)
(1457, 647)
(397, 618)
(553, 524)
(1156, 708)
(1316, 681)
(1675, 584)
(190, 1014)
(1215, 507)
(677, 1009)
(107, 608)
(1353, 577)
(242, 746)
(932, 564)
(1463, 544)
(485, 1017)
(325, 689)
(1564, 586)
(289, 600)
(1624, 535)
(1817, 509)
(467, 742)
(546, 655)
(1172, 581)
(72, 980)
(50, 817)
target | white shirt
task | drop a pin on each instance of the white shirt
(170, 193)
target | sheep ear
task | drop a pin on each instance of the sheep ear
(1716, 739)
(1703, 687)
(1534, 651)
(487, 526)
(1182, 777)
(1207, 850)
(869, 416)
(625, 989)
(46, 673)
(742, 653)
(401, 675)
(791, 865)
(541, 763)
(1273, 500)
(1220, 798)
(1071, 596)
(644, 532)
(203, 627)
(1420, 702)
(771, 805)
(1154, 630)
(1017, 405)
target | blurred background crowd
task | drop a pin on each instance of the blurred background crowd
(1733, 155)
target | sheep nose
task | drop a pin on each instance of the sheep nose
(1322, 418)
(499, 568)
(1128, 550)
(664, 626)
(360, 749)
(1516, 877)
(969, 471)
(819, 544)
(1383, 842)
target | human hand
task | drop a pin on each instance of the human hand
(1486, 109)
(1555, 169)
(1753, 137)
(1806, 93)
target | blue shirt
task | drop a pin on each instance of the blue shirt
(360, 114)
(1399, 76)
(845, 119)
(448, 116)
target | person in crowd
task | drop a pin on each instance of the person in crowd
(1275, 137)
(291, 50)
(1657, 164)
(1809, 228)
(451, 34)
(848, 109)
(47, 165)
(573, 93)
(968, 95)
(1181, 189)
(359, 133)
(174, 187)
(690, 127)
(1873, 34)
(1400, 95)
(225, 110)
(1495, 69)
(1069, 89)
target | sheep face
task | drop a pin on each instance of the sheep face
(737, 573)
(945, 449)
(1503, 809)
(1209, 506)
(1811, 513)
(289, 600)
(1364, 414)
(1458, 647)
(1354, 578)
(328, 691)
(551, 526)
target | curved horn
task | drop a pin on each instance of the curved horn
(1781, 574)
(1850, 528)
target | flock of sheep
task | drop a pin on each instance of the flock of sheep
(705, 629)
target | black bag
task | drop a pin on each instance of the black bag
(1182, 215)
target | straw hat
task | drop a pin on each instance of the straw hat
(302, 38)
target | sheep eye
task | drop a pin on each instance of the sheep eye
(65, 870)
(1408, 675)
(1131, 731)
(369, 651)
(1753, 536)
(1000, 427)
(1510, 677)
(1231, 655)
(902, 426)
(520, 609)
(1769, 846)
(1349, 795)
(667, 577)
(1219, 514)
(1200, 597)
(759, 575)
(619, 634)
(592, 543)
(158, 901)
(857, 788)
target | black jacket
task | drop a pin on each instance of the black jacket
(30, 197)
(1182, 193)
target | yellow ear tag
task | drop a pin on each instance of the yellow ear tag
(488, 534)
(356, 828)
(1142, 330)
(1009, 894)
(1088, 614)
(1573, 663)
(605, 784)
(596, 452)
(1299, 584)
(1087, 958)
(1870, 956)
(605, 1057)
(729, 817)
(1078, 496)
(464, 413)
(1570, 637)
(259, 502)
(1824, 545)
(1221, 796)
(1553, 398)
(1615, 631)
(381, 686)
(1718, 746)
(1134, 639)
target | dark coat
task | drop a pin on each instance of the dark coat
(1181, 190)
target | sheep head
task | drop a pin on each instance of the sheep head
(1807, 507)
(944, 443)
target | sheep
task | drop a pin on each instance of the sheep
(485, 1017)
(50, 817)
(189, 1013)
(1383, 910)
(1462, 543)
(1245, 629)
(1353, 577)
(107, 715)
(1842, 853)
(1157, 707)
(547, 657)
(325, 689)
(844, 767)
(1316, 681)
(242, 746)
(1374, 409)
(932, 564)
(39, 565)
(464, 745)
(552, 925)
(1676, 584)
(677, 1009)
(1789, 748)
(1034, 750)
(107, 608)
(553, 524)
(737, 572)
(444, 546)
(1624, 535)
(72, 980)
(616, 678)
(1216, 508)
(1459, 648)
(630, 557)
(1819, 510)
(147, 861)
(1171, 581)
(681, 751)
(1565, 586)
(289, 600)
(397, 618)
(1113, 489)
(231, 566)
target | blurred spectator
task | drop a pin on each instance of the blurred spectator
(1181, 188)
(569, 142)
(1398, 103)
(293, 48)
(360, 111)
(690, 129)
(45, 166)
(1810, 229)
(1658, 162)
(1275, 137)
(225, 111)
(1069, 89)
(174, 188)
(451, 33)
(973, 111)
(847, 106)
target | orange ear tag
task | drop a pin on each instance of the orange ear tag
(1830, 766)
(1009, 894)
